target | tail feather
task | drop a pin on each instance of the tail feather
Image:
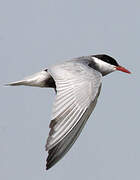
(40, 79)
(16, 83)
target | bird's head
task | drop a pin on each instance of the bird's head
(106, 64)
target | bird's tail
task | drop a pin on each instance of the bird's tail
(16, 83)
(39, 79)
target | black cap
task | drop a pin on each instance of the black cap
(107, 59)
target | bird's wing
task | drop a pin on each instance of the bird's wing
(77, 87)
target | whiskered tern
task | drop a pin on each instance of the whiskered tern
(77, 83)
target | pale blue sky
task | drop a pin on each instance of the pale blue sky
(37, 33)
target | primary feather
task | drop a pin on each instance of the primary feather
(77, 88)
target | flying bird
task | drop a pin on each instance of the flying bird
(77, 83)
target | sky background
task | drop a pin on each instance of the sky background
(34, 34)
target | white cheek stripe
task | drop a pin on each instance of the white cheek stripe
(103, 66)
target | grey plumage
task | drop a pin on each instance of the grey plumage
(77, 94)
(77, 83)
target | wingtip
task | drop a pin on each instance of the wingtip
(48, 164)
(47, 167)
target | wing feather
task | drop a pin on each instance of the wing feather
(77, 89)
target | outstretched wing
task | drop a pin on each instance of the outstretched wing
(77, 87)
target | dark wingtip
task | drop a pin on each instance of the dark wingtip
(48, 165)
(48, 160)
